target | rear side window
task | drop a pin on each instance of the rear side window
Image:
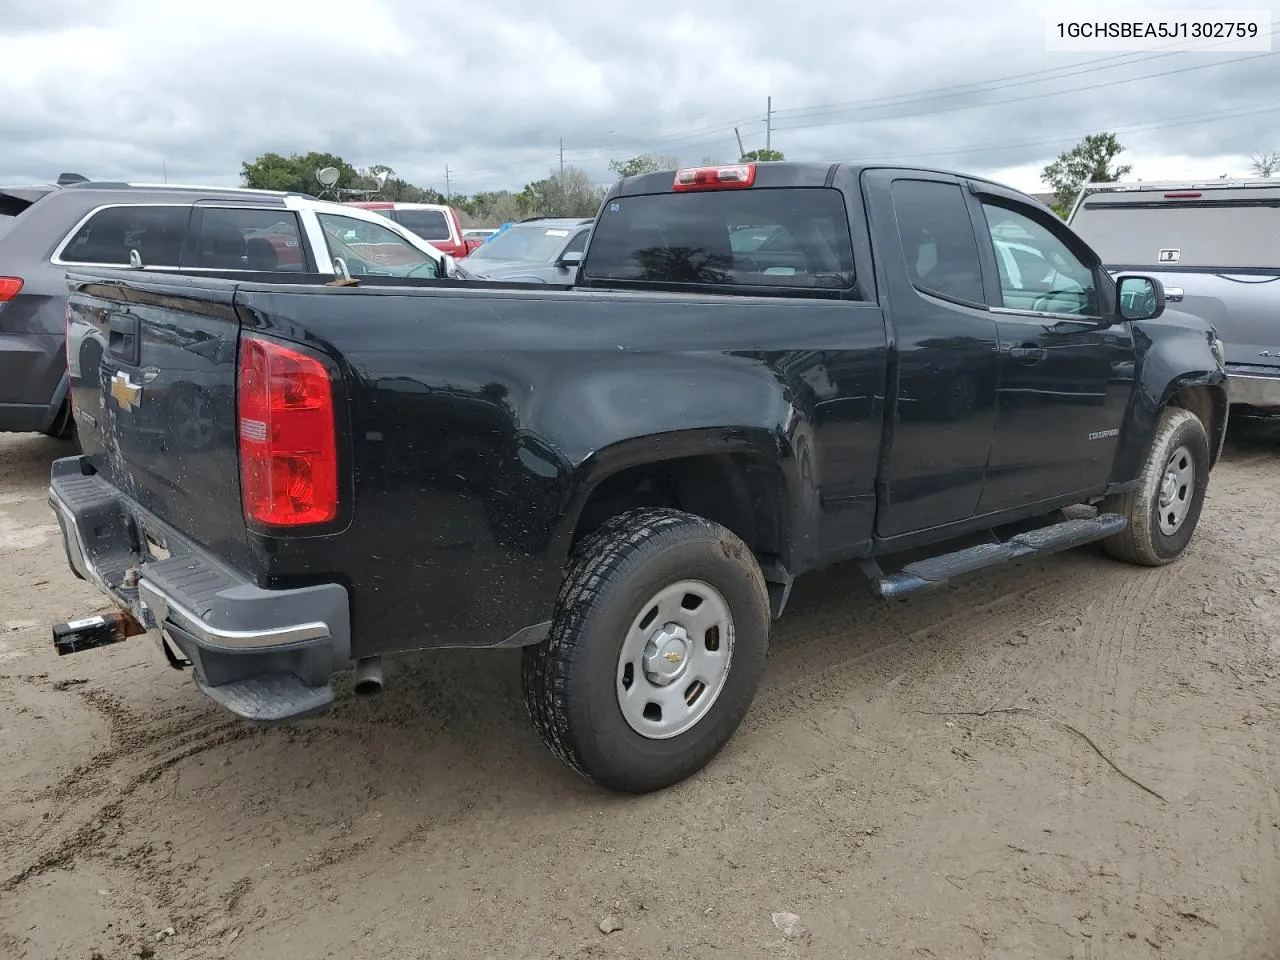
(428, 224)
(240, 239)
(1187, 233)
(156, 232)
(707, 238)
(938, 241)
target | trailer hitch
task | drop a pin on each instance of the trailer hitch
(99, 631)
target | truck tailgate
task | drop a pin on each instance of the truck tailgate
(153, 384)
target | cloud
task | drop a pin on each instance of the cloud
(131, 90)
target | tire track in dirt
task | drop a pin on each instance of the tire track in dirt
(932, 636)
(92, 796)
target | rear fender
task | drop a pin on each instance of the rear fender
(750, 472)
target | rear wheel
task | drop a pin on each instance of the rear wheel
(656, 648)
(1164, 509)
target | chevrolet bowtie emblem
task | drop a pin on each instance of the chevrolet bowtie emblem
(672, 657)
(127, 393)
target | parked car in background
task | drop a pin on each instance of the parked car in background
(1215, 245)
(623, 476)
(538, 250)
(476, 237)
(45, 229)
(434, 222)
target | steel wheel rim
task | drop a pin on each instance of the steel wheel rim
(1177, 487)
(675, 659)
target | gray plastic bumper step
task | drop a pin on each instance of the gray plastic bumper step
(273, 698)
(935, 571)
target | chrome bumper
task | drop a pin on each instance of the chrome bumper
(1254, 390)
(263, 654)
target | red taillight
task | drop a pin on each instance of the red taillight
(9, 287)
(1182, 195)
(715, 178)
(288, 450)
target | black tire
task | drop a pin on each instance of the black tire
(1142, 541)
(64, 424)
(571, 680)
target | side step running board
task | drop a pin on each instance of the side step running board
(936, 571)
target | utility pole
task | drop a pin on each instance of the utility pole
(768, 125)
(164, 167)
(446, 183)
(741, 150)
(562, 157)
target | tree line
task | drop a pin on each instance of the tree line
(562, 193)
(570, 192)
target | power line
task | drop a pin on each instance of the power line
(590, 154)
(1000, 83)
(1209, 116)
(1089, 66)
(1035, 96)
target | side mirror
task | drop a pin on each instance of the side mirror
(448, 265)
(1139, 298)
(570, 258)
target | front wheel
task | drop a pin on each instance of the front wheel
(656, 648)
(1165, 507)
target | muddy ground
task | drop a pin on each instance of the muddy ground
(1072, 759)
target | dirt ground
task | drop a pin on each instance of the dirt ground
(1076, 758)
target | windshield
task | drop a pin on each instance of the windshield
(1216, 234)
(525, 243)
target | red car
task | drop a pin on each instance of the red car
(434, 223)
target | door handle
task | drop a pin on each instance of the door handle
(124, 338)
(1028, 353)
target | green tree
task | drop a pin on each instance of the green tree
(567, 194)
(1089, 161)
(645, 163)
(295, 173)
(760, 156)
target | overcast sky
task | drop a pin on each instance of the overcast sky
(137, 89)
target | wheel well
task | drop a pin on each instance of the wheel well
(1209, 406)
(743, 493)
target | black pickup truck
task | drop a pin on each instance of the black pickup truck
(760, 370)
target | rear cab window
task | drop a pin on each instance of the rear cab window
(938, 241)
(754, 239)
(1202, 230)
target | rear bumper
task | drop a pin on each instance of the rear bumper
(265, 655)
(1254, 388)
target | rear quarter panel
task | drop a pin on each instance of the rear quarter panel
(482, 420)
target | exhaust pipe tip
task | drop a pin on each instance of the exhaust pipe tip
(368, 679)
